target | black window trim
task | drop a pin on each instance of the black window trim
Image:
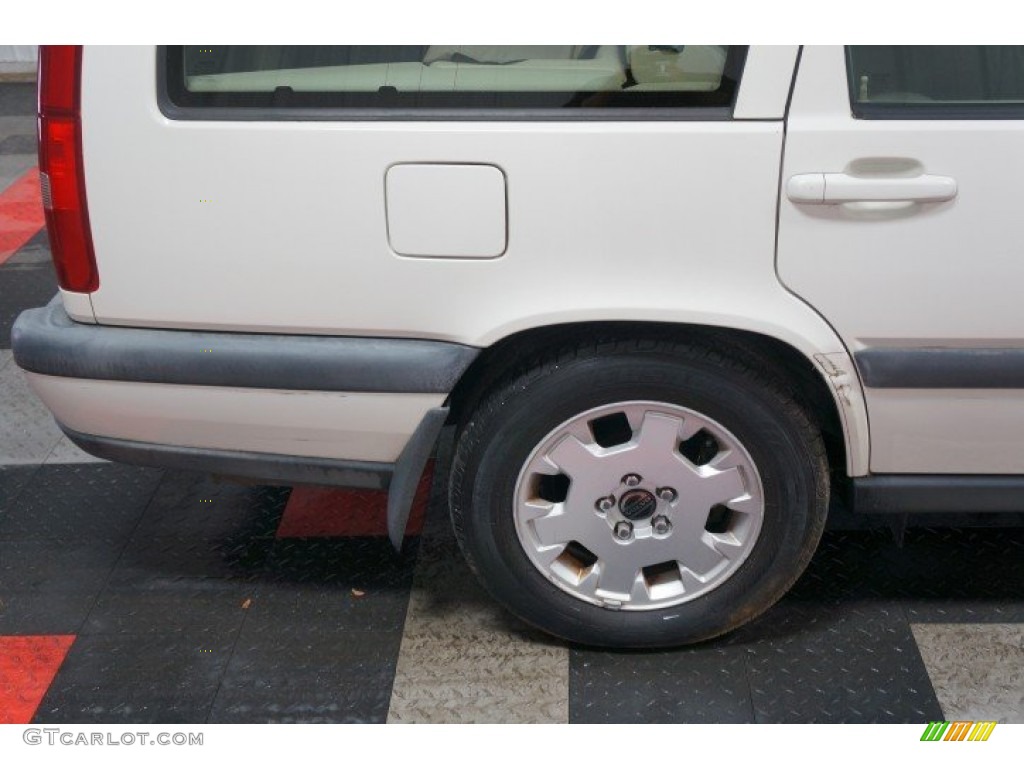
(927, 111)
(174, 111)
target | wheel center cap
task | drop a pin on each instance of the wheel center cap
(637, 504)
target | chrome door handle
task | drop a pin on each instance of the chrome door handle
(836, 188)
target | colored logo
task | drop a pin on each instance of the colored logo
(959, 730)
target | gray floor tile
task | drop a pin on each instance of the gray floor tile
(28, 432)
(977, 670)
(463, 658)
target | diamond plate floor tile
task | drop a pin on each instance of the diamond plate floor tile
(56, 566)
(137, 679)
(32, 612)
(175, 611)
(81, 502)
(958, 575)
(13, 481)
(354, 695)
(841, 664)
(286, 608)
(28, 432)
(463, 658)
(313, 655)
(201, 535)
(704, 684)
(977, 669)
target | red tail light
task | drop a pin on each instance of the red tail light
(60, 167)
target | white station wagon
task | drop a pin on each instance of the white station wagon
(673, 298)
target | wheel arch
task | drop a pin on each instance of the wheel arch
(827, 383)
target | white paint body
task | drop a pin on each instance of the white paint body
(334, 425)
(926, 274)
(300, 227)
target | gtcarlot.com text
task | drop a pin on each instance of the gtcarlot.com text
(69, 738)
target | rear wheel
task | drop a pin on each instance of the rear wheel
(638, 495)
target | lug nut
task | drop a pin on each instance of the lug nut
(623, 530)
(631, 481)
(605, 504)
(667, 494)
(661, 525)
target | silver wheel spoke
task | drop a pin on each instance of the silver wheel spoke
(617, 576)
(572, 456)
(716, 487)
(566, 524)
(659, 436)
(699, 555)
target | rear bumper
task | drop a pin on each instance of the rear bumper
(307, 397)
(360, 412)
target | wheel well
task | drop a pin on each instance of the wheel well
(778, 359)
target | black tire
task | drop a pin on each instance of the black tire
(516, 414)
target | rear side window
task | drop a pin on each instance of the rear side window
(936, 81)
(415, 80)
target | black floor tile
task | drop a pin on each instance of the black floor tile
(366, 563)
(82, 502)
(309, 674)
(199, 534)
(352, 699)
(43, 613)
(137, 679)
(13, 480)
(324, 652)
(849, 663)
(69, 566)
(23, 286)
(934, 574)
(277, 608)
(198, 503)
(186, 611)
(697, 685)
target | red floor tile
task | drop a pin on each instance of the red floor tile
(319, 511)
(21, 213)
(28, 664)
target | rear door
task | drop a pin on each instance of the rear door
(901, 224)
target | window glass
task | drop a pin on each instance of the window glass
(454, 76)
(935, 79)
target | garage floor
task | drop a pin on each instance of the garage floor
(131, 595)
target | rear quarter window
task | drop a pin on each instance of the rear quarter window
(430, 80)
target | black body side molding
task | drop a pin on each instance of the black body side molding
(942, 367)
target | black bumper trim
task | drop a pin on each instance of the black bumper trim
(47, 341)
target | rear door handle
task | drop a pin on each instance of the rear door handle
(836, 188)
